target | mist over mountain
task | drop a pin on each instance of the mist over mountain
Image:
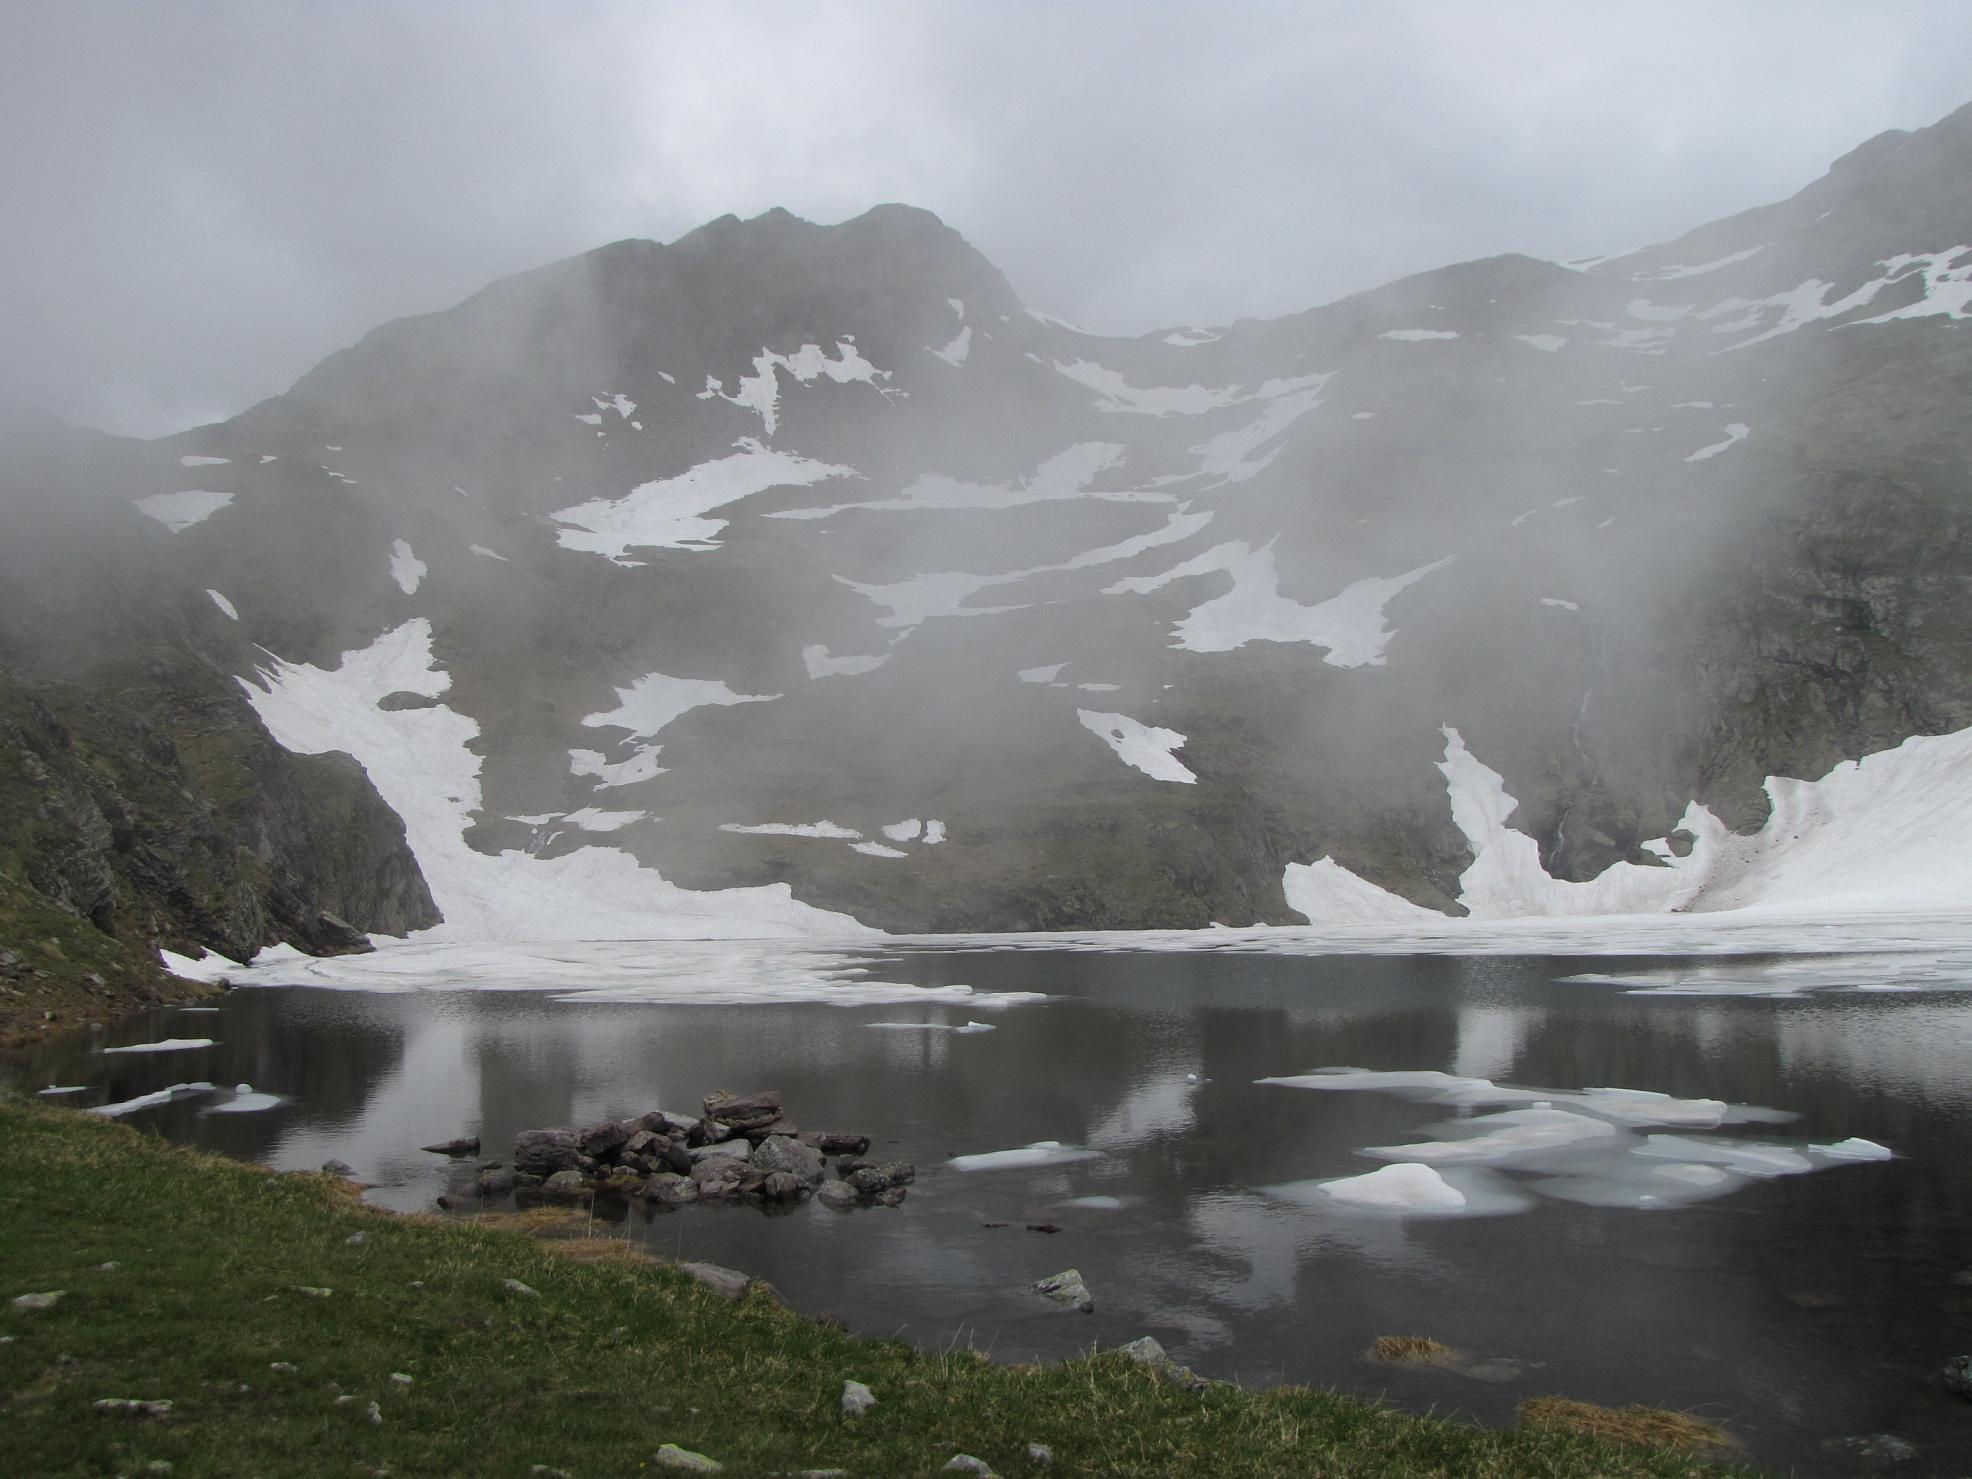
(794, 577)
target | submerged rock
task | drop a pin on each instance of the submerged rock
(496, 1181)
(837, 1196)
(1872, 1452)
(465, 1145)
(1958, 1376)
(567, 1186)
(1067, 1288)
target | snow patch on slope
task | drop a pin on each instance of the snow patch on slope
(1140, 746)
(1880, 835)
(1065, 475)
(1325, 892)
(406, 568)
(1735, 433)
(656, 699)
(760, 392)
(669, 513)
(179, 511)
(1349, 625)
(421, 764)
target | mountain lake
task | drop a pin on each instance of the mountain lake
(1771, 1227)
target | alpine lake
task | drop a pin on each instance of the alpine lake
(1771, 1227)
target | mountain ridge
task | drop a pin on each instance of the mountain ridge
(900, 549)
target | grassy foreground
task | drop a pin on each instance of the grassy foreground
(188, 1279)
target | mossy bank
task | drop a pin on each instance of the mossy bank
(294, 1331)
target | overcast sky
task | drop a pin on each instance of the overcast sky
(202, 199)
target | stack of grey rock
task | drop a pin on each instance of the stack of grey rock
(743, 1147)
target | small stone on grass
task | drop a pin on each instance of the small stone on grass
(514, 1286)
(857, 1399)
(671, 1456)
(39, 1301)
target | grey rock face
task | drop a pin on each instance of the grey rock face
(544, 1152)
(670, 1189)
(778, 1153)
(724, 1281)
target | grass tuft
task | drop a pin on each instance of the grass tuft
(1643, 1427)
(1419, 1350)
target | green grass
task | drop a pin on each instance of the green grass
(610, 1360)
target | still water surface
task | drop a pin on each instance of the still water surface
(1795, 1309)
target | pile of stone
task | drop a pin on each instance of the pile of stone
(743, 1147)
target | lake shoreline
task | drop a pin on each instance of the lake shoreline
(338, 1334)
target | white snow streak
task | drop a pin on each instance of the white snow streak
(669, 513)
(179, 511)
(1140, 746)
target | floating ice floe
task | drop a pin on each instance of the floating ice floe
(195, 461)
(246, 1100)
(877, 850)
(223, 604)
(1546, 343)
(56, 1089)
(147, 1101)
(1578, 1146)
(167, 1045)
(1040, 1153)
(958, 1028)
(1417, 336)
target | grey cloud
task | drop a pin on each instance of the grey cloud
(203, 199)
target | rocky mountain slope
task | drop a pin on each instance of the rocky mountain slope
(793, 577)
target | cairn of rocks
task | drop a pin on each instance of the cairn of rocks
(742, 1147)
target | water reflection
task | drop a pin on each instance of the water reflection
(1799, 1308)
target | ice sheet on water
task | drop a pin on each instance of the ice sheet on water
(246, 1100)
(1040, 1153)
(1577, 1146)
(656, 971)
(166, 1045)
(146, 1101)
